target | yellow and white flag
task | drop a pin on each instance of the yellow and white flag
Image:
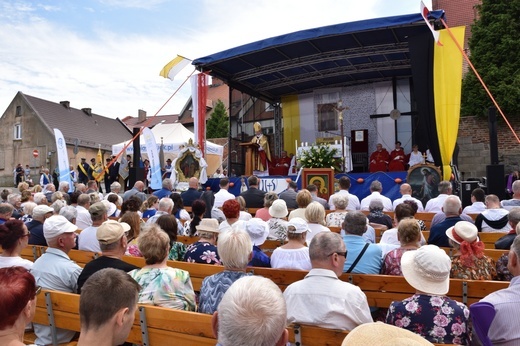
(171, 69)
(99, 169)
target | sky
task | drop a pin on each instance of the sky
(107, 54)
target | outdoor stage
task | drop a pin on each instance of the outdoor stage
(279, 183)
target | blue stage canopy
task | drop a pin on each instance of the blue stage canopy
(331, 56)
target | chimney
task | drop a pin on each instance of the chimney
(141, 116)
(65, 104)
(87, 111)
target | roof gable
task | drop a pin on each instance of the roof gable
(89, 130)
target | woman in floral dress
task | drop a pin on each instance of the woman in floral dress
(409, 234)
(162, 285)
(205, 250)
(277, 223)
(469, 261)
(429, 312)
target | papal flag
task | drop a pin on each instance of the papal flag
(99, 170)
(171, 69)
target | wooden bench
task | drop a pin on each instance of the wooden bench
(426, 218)
(155, 325)
(489, 239)
(381, 289)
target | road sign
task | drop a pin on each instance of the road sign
(35, 153)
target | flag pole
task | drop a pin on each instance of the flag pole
(479, 78)
(149, 120)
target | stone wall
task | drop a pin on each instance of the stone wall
(473, 141)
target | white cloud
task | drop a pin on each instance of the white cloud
(115, 73)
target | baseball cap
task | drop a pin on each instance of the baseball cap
(299, 224)
(111, 231)
(97, 209)
(41, 210)
(57, 225)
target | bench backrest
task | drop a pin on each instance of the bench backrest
(155, 325)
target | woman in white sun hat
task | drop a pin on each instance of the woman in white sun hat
(277, 224)
(429, 312)
(469, 261)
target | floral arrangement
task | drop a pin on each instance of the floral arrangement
(321, 156)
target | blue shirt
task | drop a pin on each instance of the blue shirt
(260, 259)
(162, 193)
(438, 232)
(371, 261)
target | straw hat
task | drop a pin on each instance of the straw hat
(463, 231)
(208, 225)
(278, 209)
(382, 334)
(427, 269)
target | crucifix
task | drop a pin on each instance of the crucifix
(340, 108)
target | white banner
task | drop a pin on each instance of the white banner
(63, 159)
(153, 156)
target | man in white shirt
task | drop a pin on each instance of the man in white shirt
(87, 239)
(353, 200)
(321, 298)
(434, 205)
(478, 197)
(504, 328)
(83, 220)
(54, 270)
(223, 194)
(376, 188)
(406, 192)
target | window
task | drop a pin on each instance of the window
(327, 117)
(18, 111)
(18, 131)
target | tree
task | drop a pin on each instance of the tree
(495, 48)
(218, 124)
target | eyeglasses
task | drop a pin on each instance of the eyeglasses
(38, 290)
(339, 253)
(28, 234)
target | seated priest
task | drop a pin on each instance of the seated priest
(379, 159)
(397, 159)
(282, 164)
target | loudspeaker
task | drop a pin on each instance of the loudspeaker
(466, 187)
(495, 180)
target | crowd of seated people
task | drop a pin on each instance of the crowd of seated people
(308, 244)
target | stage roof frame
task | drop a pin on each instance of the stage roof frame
(338, 55)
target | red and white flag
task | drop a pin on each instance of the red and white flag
(425, 12)
(199, 88)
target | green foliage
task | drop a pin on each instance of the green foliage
(320, 156)
(217, 125)
(495, 48)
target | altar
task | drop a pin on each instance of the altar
(306, 147)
